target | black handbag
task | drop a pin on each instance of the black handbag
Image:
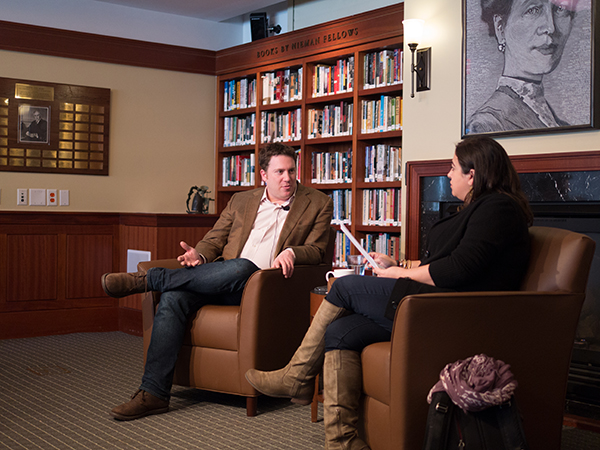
(495, 428)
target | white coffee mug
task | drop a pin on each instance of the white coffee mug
(338, 273)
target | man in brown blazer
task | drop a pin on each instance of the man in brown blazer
(278, 226)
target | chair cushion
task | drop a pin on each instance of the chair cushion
(214, 326)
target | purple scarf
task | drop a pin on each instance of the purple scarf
(476, 383)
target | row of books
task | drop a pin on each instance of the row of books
(239, 170)
(239, 130)
(281, 126)
(386, 243)
(282, 86)
(383, 163)
(333, 79)
(381, 207)
(332, 120)
(331, 167)
(383, 68)
(342, 206)
(383, 114)
(240, 94)
(341, 249)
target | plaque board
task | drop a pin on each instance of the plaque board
(53, 128)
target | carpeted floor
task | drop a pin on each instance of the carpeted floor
(56, 391)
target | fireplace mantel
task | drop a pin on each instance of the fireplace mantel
(547, 162)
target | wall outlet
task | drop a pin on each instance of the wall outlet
(64, 198)
(21, 197)
(37, 197)
(51, 197)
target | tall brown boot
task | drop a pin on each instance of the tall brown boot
(342, 388)
(296, 380)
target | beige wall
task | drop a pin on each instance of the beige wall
(432, 119)
(162, 134)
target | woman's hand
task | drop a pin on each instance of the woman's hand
(382, 260)
(391, 272)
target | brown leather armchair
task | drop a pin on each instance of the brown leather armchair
(223, 342)
(533, 330)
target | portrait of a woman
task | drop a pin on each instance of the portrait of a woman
(531, 36)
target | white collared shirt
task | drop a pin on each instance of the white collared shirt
(260, 246)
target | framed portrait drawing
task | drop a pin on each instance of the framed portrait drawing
(530, 66)
(34, 124)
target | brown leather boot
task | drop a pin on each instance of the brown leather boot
(342, 388)
(122, 284)
(296, 380)
(141, 404)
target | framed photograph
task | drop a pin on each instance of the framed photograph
(529, 66)
(34, 124)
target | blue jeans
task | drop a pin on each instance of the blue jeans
(185, 291)
(367, 298)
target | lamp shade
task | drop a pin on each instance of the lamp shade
(413, 30)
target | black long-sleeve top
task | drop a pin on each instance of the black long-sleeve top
(483, 247)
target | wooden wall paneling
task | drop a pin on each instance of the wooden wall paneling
(51, 264)
(169, 238)
(33, 267)
(88, 257)
(23, 324)
(135, 238)
(3, 271)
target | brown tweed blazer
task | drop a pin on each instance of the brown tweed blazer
(306, 229)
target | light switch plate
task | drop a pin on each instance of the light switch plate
(64, 198)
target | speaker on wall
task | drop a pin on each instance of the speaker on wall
(258, 25)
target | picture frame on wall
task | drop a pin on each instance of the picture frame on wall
(34, 124)
(529, 67)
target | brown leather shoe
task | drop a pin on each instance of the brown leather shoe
(119, 285)
(142, 404)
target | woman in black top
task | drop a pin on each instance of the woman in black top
(483, 247)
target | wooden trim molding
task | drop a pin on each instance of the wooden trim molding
(350, 31)
(25, 38)
(548, 162)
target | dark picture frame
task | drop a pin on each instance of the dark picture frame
(34, 124)
(570, 97)
(76, 120)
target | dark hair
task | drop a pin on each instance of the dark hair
(491, 8)
(493, 169)
(275, 149)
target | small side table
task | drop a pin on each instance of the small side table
(316, 297)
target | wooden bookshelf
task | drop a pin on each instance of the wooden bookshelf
(310, 89)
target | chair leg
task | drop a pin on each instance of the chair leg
(251, 406)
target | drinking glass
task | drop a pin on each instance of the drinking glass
(357, 263)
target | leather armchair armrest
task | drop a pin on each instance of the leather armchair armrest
(273, 306)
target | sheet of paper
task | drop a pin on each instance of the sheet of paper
(358, 246)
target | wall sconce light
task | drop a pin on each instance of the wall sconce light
(413, 32)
